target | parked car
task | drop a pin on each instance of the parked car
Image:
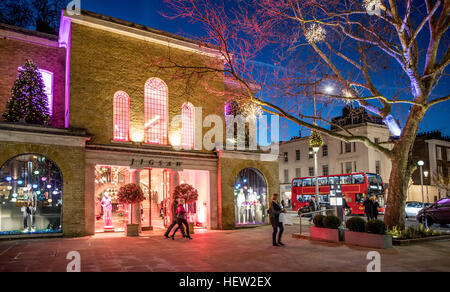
(438, 213)
(413, 208)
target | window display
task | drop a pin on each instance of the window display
(250, 196)
(30, 196)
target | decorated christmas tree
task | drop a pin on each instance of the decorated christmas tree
(29, 100)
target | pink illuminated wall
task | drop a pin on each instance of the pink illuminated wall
(121, 116)
(187, 114)
(156, 112)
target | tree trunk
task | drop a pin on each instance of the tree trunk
(402, 168)
(397, 194)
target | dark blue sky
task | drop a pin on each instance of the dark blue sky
(147, 12)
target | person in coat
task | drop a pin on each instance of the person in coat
(375, 207)
(368, 208)
(181, 220)
(175, 220)
(274, 211)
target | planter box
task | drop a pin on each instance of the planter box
(132, 230)
(419, 240)
(368, 239)
(332, 235)
(191, 228)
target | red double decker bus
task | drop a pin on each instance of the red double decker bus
(355, 188)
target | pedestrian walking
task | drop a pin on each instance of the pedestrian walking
(368, 208)
(274, 211)
(174, 220)
(181, 220)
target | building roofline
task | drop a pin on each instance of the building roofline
(131, 29)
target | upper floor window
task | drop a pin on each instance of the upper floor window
(286, 156)
(348, 147)
(297, 155)
(439, 153)
(188, 120)
(325, 151)
(156, 112)
(121, 116)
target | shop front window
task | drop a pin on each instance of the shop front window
(250, 197)
(30, 196)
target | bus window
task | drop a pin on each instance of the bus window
(307, 182)
(323, 181)
(303, 198)
(345, 180)
(334, 180)
(324, 199)
(374, 181)
(313, 182)
(358, 179)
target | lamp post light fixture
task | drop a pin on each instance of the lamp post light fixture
(426, 173)
(420, 163)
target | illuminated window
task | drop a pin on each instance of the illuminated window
(47, 77)
(156, 112)
(187, 114)
(121, 116)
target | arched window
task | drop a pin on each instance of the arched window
(188, 120)
(250, 197)
(31, 196)
(156, 112)
(121, 116)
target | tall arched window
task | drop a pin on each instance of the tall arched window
(188, 120)
(156, 112)
(121, 116)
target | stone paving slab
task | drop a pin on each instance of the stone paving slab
(246, 250)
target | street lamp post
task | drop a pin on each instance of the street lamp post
(421, 164)
(426, 173)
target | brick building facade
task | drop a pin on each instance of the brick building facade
(105, 133)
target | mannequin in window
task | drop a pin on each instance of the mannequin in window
(107, 211)
(252, 205)
(240, 203)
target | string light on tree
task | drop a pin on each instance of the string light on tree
(346, 93)
(373, 7)
(315, 33)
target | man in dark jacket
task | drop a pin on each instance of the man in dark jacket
(368, 208)
(274, 211)
(375, 207)
(174, 220)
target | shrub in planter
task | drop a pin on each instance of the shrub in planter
(131, 194)
(376, 227)
(356, 224)
(331, 222)
(318, 221)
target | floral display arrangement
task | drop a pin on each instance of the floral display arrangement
(130, 194)
(186, 192)
(315, 140)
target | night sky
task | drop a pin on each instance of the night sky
(147, 12)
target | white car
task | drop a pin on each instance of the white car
(412, 208)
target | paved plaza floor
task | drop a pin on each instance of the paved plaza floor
(243, 250)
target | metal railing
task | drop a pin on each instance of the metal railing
(319, 211)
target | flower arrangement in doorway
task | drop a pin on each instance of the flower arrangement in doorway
(130, 194)
(186, 192)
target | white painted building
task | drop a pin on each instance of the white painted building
(335, 157)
